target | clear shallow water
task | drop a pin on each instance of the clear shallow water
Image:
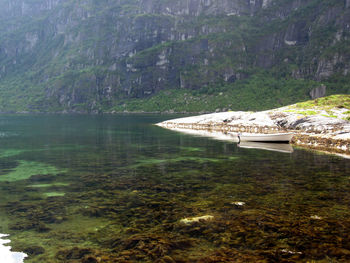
(116, 188)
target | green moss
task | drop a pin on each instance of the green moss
(325, 103)
(48, 185)
(153, 161)
(305, 112)
(26, 169)
(5, 153)
(53, 194)
(191, 149)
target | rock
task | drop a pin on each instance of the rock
(318, 92)
(327, 133)
(191, 220)
(238, 203)
(138, 69)
(291, 252)
(316, 217)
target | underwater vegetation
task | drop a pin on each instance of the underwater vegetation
(175, 198)
(26, 169)
(115, 217)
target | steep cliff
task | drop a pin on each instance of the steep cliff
(185, 55)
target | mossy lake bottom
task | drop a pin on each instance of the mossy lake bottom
(117, 188)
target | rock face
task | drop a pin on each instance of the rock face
(90, 55)
(318, 92)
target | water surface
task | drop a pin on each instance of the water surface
(117, 189)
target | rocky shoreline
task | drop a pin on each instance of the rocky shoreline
(317, 131)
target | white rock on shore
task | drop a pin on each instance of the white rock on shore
(233, 118)
(278, 118)
(311, 131)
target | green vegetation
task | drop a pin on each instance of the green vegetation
(6, 153)
(53, 194)
(48, 185)
(334, 101)
(103, 56)
(26, 169)
(305, 112)
(336, 106)
(260, 92)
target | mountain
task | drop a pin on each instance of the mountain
(166, 55)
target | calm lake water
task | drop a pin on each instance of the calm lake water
(117, 188)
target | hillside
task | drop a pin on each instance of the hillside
(175, 56)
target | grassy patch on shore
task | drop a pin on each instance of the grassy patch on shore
(334, 101)
(336, 106)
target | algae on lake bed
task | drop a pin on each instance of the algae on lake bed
(115, 203)
(181, 159)
(142, 216)
(48, 185)
(52, 194)
(5, 153)
(26, 169)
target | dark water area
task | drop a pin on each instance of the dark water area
(119, 189)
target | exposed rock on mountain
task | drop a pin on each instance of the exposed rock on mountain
(99, 55)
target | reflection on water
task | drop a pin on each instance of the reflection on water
(211, 134)
(277, 147)
(118, 189)
(7, 255)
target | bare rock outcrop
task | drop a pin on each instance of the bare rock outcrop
(313, 131)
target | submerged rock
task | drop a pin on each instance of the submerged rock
(238, 203)
(191, 220)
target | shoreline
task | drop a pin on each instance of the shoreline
(317, 132)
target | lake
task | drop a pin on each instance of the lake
(79, 188)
